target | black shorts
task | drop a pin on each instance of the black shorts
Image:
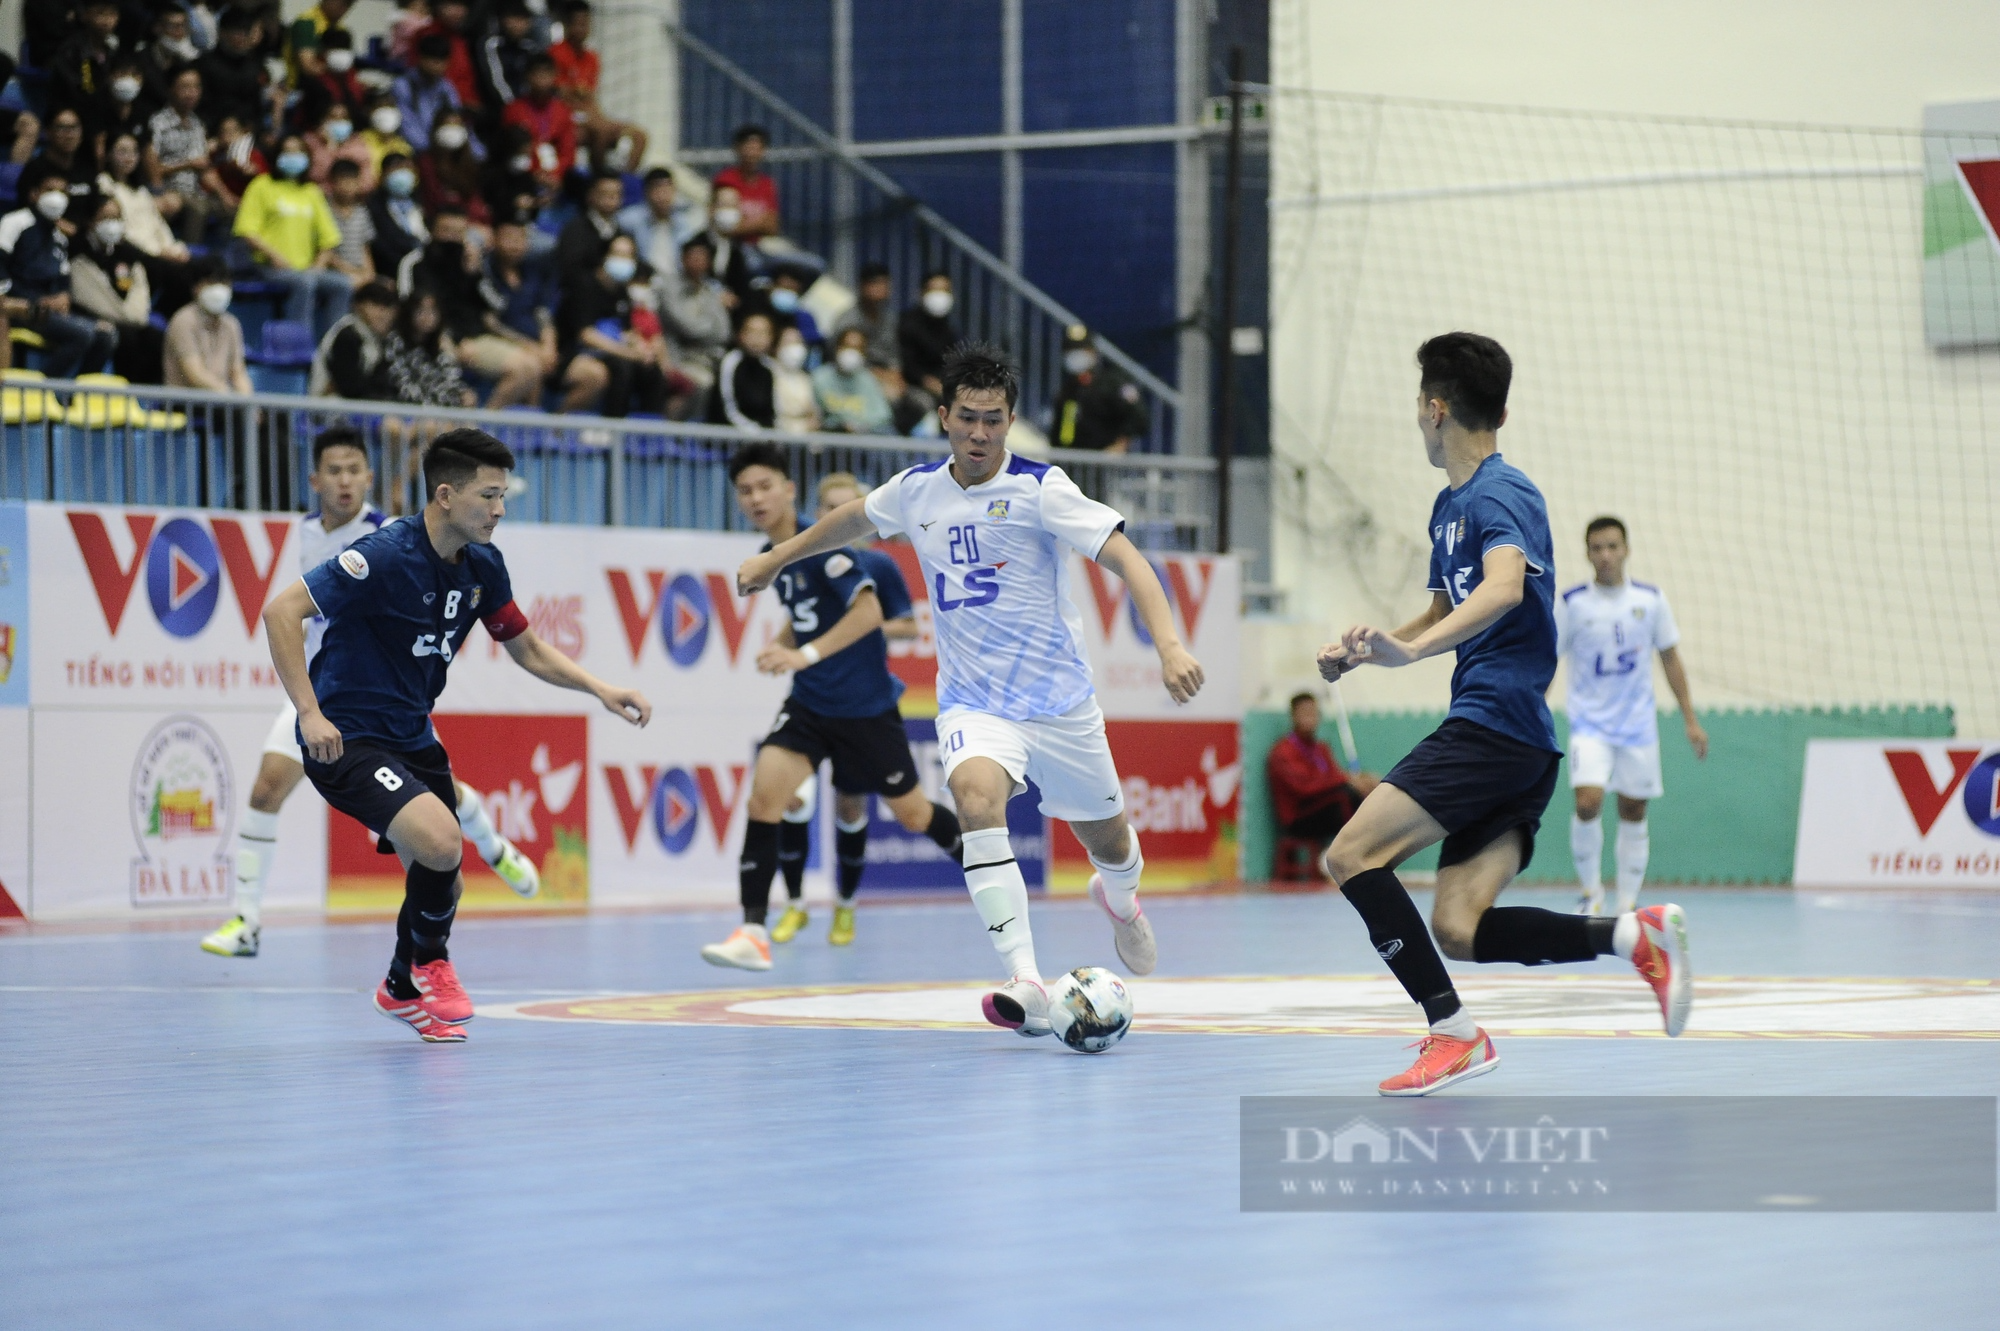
(871, 754)
(1479, 784)
(371, 783)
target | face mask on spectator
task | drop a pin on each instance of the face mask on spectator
(451, 137)
(53, 205)
(402, 182)
(181, 48)
(643, 297)
(727, 219)
(340, 61)
(620, 268)
(110, 231)
(339, 130)
(784, 300)
(849, 360)
(125, 89)
(1079, 360)
(386, 119)
(792, 355)
(293, 164)
(937, 304)
(214, 298)
(521, 164)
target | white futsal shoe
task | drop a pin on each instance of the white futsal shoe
(749, 948)
(1020, 1005)
(1590, 903)
(1134, 937)
(238, 938)
(517, 870)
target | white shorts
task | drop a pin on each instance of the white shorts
(1631, 770)
(284, 737)
(1067, 756)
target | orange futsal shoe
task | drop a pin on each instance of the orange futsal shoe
(416, 1013)
(1441, 1061)
(443, 994)
(1661, 956)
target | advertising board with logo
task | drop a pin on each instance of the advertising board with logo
(1899, 813)
(1181, 780)
(13, 713)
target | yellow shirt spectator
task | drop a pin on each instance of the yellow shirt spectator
(290, 219)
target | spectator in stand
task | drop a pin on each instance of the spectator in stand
(35, 278)
(756, 190)
(614, 144)
(662, 222)
(794, 401)
(166, 258)
(204, 344)
(452, 268)
(587, 236)
(520, 300)
(425, 91)
(177, 159)
(132, 103)
(411, 19)
(925, 333)
(594, 326)
(548, 120)
(733, 266)
(233, 78)
(422, 369)
(352, 360)
(336, 84)
(397, 216)
(238, 161)
(692, 314)
(1312, 797)
(305, 61)
(1097, 407)
(108, 280)
(504, 56)
(80, 70)
(448, 172)
(67, 151)
(511, 187)
(450, 21)
(285, 222)
(746, 381)
(851, 400)
(384, 132)
(26, 134)
(347, 202)
(332, 141)
(876, 318)
(168, 50)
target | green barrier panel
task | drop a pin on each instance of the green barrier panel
(1731, 819)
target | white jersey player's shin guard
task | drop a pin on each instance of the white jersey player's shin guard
(1635, 847)
(1000, 895)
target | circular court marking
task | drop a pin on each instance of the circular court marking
(1726, 1007)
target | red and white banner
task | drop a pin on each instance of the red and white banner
(1182, 781)
(1899, 813)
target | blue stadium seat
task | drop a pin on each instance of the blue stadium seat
(285, 343)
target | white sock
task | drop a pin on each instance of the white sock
(1121, 882)
(1625, 936)
(256, 847)
(1459, 1025)
(474, 821)
(1000, 895)
(1586, 847)
(1635, 844)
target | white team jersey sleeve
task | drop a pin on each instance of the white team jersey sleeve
(1073, 517)
(1666, 633)
(884, 505)
(1563, 635)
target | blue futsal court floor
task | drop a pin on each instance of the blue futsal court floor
(187, 1141)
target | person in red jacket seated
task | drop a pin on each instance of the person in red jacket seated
(1312, 795)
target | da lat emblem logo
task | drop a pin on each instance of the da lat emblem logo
(997, 510)
(183, 803)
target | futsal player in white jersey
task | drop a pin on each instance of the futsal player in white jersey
(1014, 691)
(1608, 630)
(341, 478)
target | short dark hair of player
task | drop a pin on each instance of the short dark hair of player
(746, 132)
(1310, 697)
(456, 456)
(1470, 374)
(977, 366)
(759, 455)
(1605, 523)
(338, 436)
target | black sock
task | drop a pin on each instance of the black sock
(944, 831)
(1537, 937)
(850, 852)
(399, 981)
(755, 871)
(1396, 929)
(430, 900)
(794, 840)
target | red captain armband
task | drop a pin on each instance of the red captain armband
(506, 622)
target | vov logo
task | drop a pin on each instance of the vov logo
(1926, 800)
(1188, 583)
(183, 561)
(673, 801)
(687, 606)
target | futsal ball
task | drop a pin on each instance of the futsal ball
(1089, 1009)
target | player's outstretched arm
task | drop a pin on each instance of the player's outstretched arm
(844, 526)
(862, 618)
(1677, 680)
(285, 629)
(1336, 658)
(1179, 671)
(551, 666)
(1503, 584)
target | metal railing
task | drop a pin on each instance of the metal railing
(849, 211)
(84, 442)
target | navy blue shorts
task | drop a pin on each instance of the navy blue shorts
(1480, 785)
(371, 783)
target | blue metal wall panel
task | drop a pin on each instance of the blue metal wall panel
(1098, 64)
(925, 70)
(784, 44)
(965, 187)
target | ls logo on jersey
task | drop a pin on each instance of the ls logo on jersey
(184, 561)
(981, 586)
(431, 644)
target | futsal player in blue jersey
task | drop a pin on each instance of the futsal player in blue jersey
(398, 605)
(842, 707)
(1482, 780)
